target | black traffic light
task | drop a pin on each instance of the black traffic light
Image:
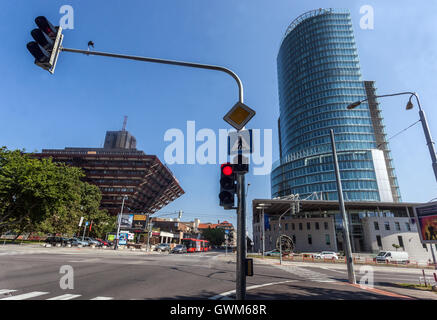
(45, 48)
(228, 187)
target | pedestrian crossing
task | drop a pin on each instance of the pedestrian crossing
(10, 294)
(307, 274)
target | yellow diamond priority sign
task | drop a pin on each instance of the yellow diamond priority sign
(239, 115)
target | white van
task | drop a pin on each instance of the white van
(392, 256)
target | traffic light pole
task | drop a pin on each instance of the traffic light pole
(163, 61)
(241, 210)
(241, 239)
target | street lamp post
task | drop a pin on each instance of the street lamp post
(280, 233)
(119, 223)
(426, 131)
(346, 239)
(422, 116)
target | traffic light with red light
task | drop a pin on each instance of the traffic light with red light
(228, 188)
(46, 47)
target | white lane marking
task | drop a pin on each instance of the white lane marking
(102, 298)
(5, 291)
(65, 297)
(223, 296)
(25, 296)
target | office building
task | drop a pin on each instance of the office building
(318, 77)
(120, 169)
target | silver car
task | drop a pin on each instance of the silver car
(180, 248)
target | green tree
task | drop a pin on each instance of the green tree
(32, 189)
(47, 197)
(396, 246)
(215, 236)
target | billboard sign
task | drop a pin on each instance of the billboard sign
(123, 238)
(139, 222)
(126, 221)
(426, 217)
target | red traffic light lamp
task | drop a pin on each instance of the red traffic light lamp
(228, 188)
(46, 47)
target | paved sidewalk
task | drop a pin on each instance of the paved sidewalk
(318, 284)
(20, 249)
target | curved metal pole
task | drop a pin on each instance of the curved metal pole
(426, 131)
(163, 61)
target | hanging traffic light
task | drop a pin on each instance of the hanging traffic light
(228, 187)
(46, 47)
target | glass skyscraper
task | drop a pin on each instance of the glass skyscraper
(318, 77)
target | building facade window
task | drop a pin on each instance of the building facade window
(326, 225)
(300, 226)
(379, 242)
(292, 226)
(407, 226)
(397, 226)
(401, 242)
(327, 239)
(376, 225)
(387, 225)
(310, 240)
(308, 225)
(317, 226)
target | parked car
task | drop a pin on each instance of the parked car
(163, 247)
(274, 252)
(392, 256)
(57, 240)
(78, 241)
(104, 242)
(326, 255)
(180, 248)
(92, 241)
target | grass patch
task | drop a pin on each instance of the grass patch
(415, 286)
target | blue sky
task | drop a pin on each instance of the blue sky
(89, 95)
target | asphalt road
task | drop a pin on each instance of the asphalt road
(35, 274)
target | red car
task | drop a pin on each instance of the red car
(104, 242)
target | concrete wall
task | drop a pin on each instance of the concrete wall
(318, 237)
(410, 238)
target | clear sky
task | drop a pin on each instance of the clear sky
(89, 95)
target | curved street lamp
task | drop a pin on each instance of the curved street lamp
(425, 127)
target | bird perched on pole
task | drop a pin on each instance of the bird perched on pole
(90, 44)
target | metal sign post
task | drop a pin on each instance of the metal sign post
(346, 239)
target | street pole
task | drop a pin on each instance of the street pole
(433, 256)
(280, 233)
(162, 61)
(346, 239)
(84, 229)
(241, 240)
(263, 233)
(148, 233)
(119, 223)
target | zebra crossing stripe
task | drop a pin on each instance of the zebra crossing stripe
(65, 297)
(102, 298)
(25, 296)
(5, 291)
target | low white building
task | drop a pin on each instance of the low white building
(382, 232)
(373, 227)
